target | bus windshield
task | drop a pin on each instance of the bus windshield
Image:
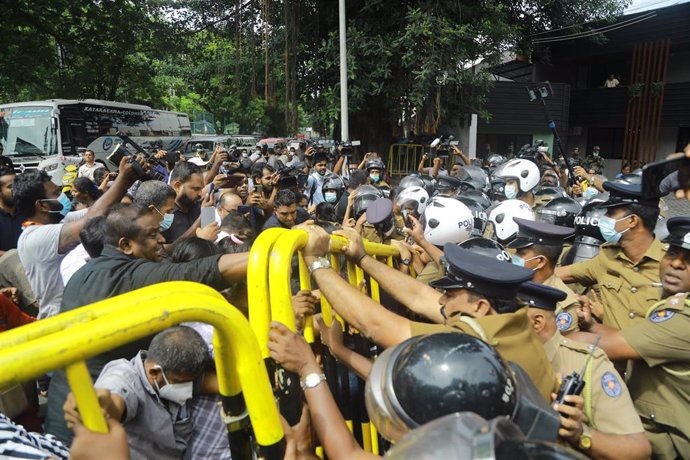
(27, 131)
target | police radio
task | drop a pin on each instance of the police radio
(573, 384)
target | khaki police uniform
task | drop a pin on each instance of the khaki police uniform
(594, 162)
(431, 272)
(511, 334)
(627, 289)
(608, 406)
(566, 310)
(660, 381)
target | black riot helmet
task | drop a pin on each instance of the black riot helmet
(468, 436)
(429, 376)
(544, 194)
(480, 197)
(498, 189)
(334, 184)
(364, 196)
(588, 237)
(429, 183)
(411, 181)
(487, 247)
(476, 177)
(495, 160)
(375, 163)
(447, 184)
(478, 212)
(559, 211)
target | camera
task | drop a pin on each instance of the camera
(440, 147)
(346, 147)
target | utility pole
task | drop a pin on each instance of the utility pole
(344, 125)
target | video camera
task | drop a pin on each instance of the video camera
(346, 147)
(145, 172)
(289, 176)
(440, 147)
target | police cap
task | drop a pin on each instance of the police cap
(540, 296)
(531, 232)
(380, 211)
(624, 194)
(481, 274)
(679, 232)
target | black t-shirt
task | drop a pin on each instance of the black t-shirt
(182, 221)
(10, 229)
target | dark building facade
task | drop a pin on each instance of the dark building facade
(646, 117)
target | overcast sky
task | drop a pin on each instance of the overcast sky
(638, 6)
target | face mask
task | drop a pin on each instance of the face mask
(64, 201)
(596, 154)
(607, 227)
(510, 192)
(375, 177)
(178, 393)
(166, 222)
(520, 262)
(330, 197)
(591, 192)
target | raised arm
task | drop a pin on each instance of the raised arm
(369, 317)
(415, 295)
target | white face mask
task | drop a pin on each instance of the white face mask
(178, 393)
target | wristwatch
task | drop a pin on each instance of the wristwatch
(585, 442)
(320, 262)
(313, 380)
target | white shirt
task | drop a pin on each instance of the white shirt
(73, 261)
(87, 171)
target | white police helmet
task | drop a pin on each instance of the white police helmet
(501, 216)
(413, 196)
(525, 171)
(446, 220)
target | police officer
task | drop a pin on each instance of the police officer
(627, 266)
(660, 347)
(608, 425)
(538, 246)
(479, 300)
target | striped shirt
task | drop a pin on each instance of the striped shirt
(17, 443)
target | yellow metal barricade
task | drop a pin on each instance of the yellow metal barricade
(122, 319)
(258, 294)
(404, 158)
(280, 272)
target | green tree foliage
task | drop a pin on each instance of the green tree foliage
(271, 65)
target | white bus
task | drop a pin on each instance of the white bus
(46, 134)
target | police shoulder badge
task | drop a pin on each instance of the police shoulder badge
(564, 320)
(661, 316)
(611, 385)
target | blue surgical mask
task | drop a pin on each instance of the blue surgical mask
(519, 261)
(166, 222)
(330, 197)
(374, 177)
(510, 191)
(607, 227)
(590, 193)
(64, 201)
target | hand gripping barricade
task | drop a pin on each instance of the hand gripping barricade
(269, 274)
(67, 340)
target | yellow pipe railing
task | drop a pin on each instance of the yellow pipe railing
(257, 286)
(141, 313)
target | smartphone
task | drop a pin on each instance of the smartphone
(258, 188)
(119, 152)
(654, 173)
(208, 216)
(406, 218)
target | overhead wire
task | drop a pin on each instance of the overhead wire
(601, 30)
